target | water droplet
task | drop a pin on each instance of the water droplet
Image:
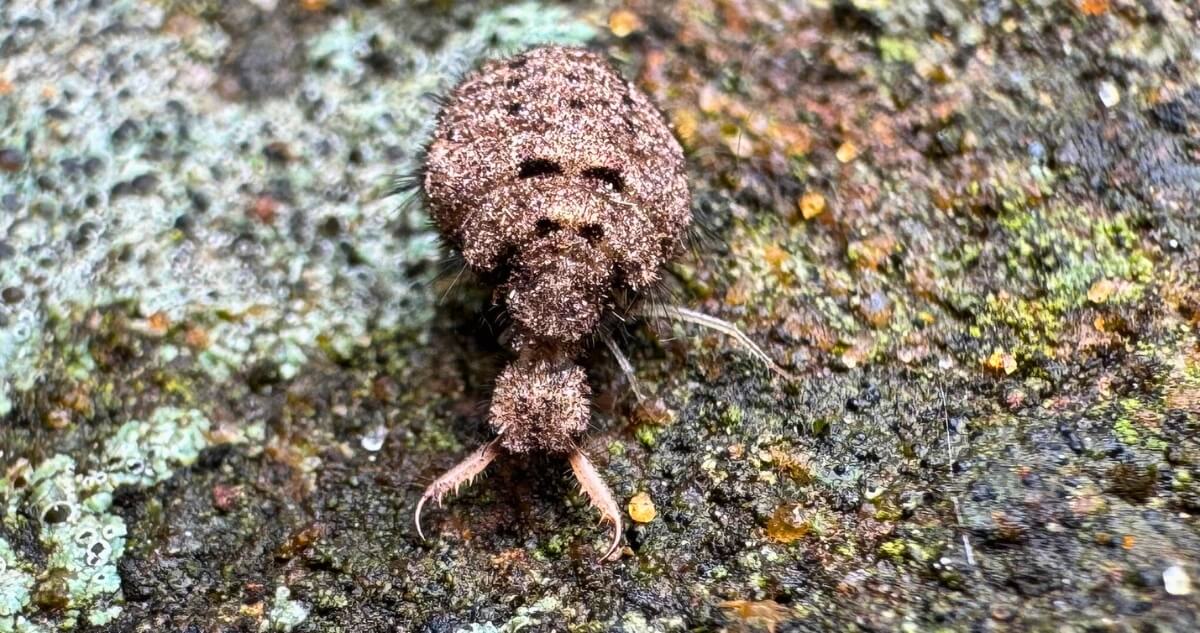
(1109, 94)
(373, 441)
(1176, 581)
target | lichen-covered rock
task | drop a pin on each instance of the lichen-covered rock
(993, 311)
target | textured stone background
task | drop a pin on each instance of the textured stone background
(229, 361)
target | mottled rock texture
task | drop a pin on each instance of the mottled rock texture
(970, 227)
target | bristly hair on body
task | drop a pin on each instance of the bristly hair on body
(558, 183)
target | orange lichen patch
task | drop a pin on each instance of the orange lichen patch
(314, 5)
(58, 419)
(765, 613)
(1007, 528)
(655, 411)
(871, 253)
(876, 309)
(806, 325)
(1128, 541)
(883, 130)
(6, 86)
(788, 524)
(623, 22)
(509, 560)
(78, 399)
(158, 323)
(1001, 361)
(735, 16)
(857, 354)
(264, 209)
(687, 123)
(1183, 298)
(1093, 7)
(1101, 290)
(1147, 419)
(739, 293)
(795, 465)
(196, 338)
(774, 256)
(812, 204)
(796, 139)
(641, 508)
(300, 541)
(847, 152)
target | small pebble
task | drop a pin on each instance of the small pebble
(812, 204)
(1109, 94)
(623, 22)
(847, 152)
(641, 508)
(1176, 580)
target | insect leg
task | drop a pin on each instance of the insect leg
(625, 365)
(462, 473)
(600, 496)
(718, 325)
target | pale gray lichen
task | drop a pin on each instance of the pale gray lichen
(16, 585)
(524, 618)
(140, 189)
(285, 614)
(96, 203)
(83, 539)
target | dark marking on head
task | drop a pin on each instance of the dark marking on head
(608, 176)
(538, 167)
(569, 199)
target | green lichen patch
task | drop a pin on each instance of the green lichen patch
(82, 540)
(16, 589)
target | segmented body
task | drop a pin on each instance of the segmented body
(559, 182)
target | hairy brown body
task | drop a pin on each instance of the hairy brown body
(559, 181)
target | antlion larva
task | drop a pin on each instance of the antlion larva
(562, 185)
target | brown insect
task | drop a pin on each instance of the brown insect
(561, 185)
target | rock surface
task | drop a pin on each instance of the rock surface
(230, 360)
